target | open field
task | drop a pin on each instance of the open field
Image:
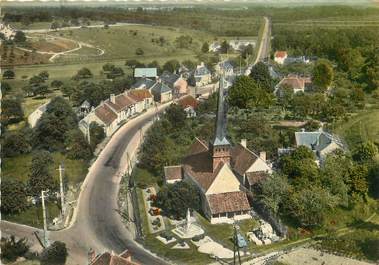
(18, 168)
(122, 42)
(361, 127)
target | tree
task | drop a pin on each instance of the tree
(5, 87)
(322, 74)
(55, 25)
(247, 51)
(134, 64)
(19, 37)
(44, 75)
(224, 47)
(357, 181)
(54, 123)
(97, 134)
(183, 42)
(175, 199)
(171, 66)
(76, 145)
(358, 96)
(176, 115)
(55, 254)
(273, 192)
(40, 177)
(351, 61)
(139, 51)
(260, 73)
(205, 47)
(365, 152)
(245, 93)
(11, 248)
(8, 74)
(11, 111)
(56, 83)
(13, 196)
(16, 143)
(309, 206)
(189, 64)
(83, 73)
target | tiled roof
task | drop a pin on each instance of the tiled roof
(280, 54)
(145, 72)
(146, 82)
(169, 78)
(293, 82)
(173, 172)
(199, 164)
(228, 202)
(121, 102)
(139, 94)
(256, 177)
(111, 259)
(187, 101)
(242, 159)
(105, 114)
(201, 70)
(160, 88)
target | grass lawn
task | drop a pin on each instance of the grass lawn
(18, 168)
(33, 215)
(122, 42)
(361, 127)
(143, 178)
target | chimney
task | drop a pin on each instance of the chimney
(91, 256)
(113, 98)
(244, 143)
(262, 155)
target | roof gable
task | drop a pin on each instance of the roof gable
(242, 159)
(224, 181)
(105, 114)
(139, 94)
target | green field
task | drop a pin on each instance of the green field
(18, 168)
(122, 41)
(361, 127)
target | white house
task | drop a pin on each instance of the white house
(294, 82)
(202, 75)
(280, 57)
(143, 98)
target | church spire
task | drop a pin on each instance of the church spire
(220, 132)
(220, 146)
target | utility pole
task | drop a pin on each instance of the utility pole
(61, 170)
(88, 134)
(45, 238)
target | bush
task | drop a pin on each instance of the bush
(139, 51)
(55, 254)
(12, 249)
(13, 196)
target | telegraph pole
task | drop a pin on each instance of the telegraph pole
(45, 238)
(61, 170)
(88, 134)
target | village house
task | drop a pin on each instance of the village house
(144, 83)
(143, 98)
(295, 83)
(161, 92)
(226, 67)
(145, 72)
(177, 84)
(202, 76)
(110, 114)
(215, 47)
(280, 57)
(112, 258)
(189, 105)
(7, 31)
(320, 142)
(212, 169)
(240, 45)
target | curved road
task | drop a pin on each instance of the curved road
(96, 223)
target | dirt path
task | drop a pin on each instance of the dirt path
(57, 54)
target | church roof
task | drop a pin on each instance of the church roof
(228, 202)
(242, 159)
(256, 177)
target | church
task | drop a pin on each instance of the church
(222, 172)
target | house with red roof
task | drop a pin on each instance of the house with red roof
(111, 258)
(143, 98)
(295, 83)
(218, 170)
(189, 104)
(280, 57)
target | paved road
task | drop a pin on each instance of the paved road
(96, 224)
